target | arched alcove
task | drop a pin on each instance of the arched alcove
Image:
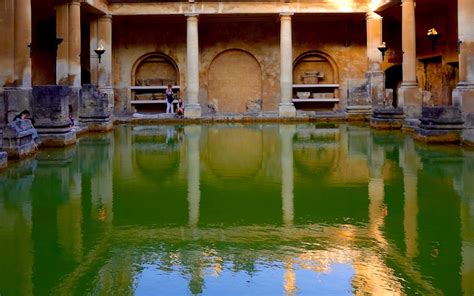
(151, 74)
(234, 81)
(155, 69)
(315, 67)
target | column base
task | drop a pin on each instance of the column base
(58, 140)
(16, 99)
(467, 137)
(463, 97)
(387, 119)
(192, 111)
(109, 91)
(410, 98)
(287, 110)
(74, 100)
(376, 83)
(358, 112)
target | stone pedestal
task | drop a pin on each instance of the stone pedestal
(95, 110)
(376, 88)
(387, 118)
(18, 139)
(440, 125)
(16, 99)
(51, 113)
(74, 100)
(358, 101)
(286, 110)
(192, 111)
(3, 160)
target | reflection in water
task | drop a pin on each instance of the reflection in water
(269, 209)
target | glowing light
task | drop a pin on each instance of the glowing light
(375, 4)
(343, 5)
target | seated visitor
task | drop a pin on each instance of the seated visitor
(180, 108)
(26, 115)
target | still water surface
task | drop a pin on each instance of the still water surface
(239, 210)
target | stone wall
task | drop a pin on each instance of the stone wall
(254, 39)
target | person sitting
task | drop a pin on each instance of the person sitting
(180, 108)
(26, 115)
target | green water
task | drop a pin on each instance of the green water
(239, 210)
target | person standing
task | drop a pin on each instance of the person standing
(169, 99)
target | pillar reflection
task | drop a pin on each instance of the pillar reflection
(410, 163)
(192, 134)
(377, 210)
(286, 137)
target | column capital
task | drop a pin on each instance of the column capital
(105, 17)
(191, 15)
(286, 15)
(371, 15)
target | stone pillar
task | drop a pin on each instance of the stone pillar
(463, 95)
(192, 108)
(17, 96)
(74, 54)
(62, 53)
(375, 76)
(104, 33)
(286, 136)
(193, 134)
(286, 108)
(93, 44)
(22, 44)
(74, 43)
(409, 95)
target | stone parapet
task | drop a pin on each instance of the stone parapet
(95, 109)
(51, 112)
(19, 139)
(442, 124)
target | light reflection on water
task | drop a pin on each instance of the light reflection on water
(242, 210)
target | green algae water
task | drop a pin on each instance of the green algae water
(239, 210)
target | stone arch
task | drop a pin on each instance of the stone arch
(315, 61)
(235, 82)
(155, 69)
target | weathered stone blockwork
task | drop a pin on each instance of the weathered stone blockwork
(51, 113)
(18, 139)
(95, 110)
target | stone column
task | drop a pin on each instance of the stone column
(74, 54)
(287, 108)
(104, 33)
(74, 43)
(17, 93)
(286, 136)
(193, 134)
(22, 44)
(375, 75)
(463, 95)
(192, 108)
(93, 43)
(409, 96)
(62, 53)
